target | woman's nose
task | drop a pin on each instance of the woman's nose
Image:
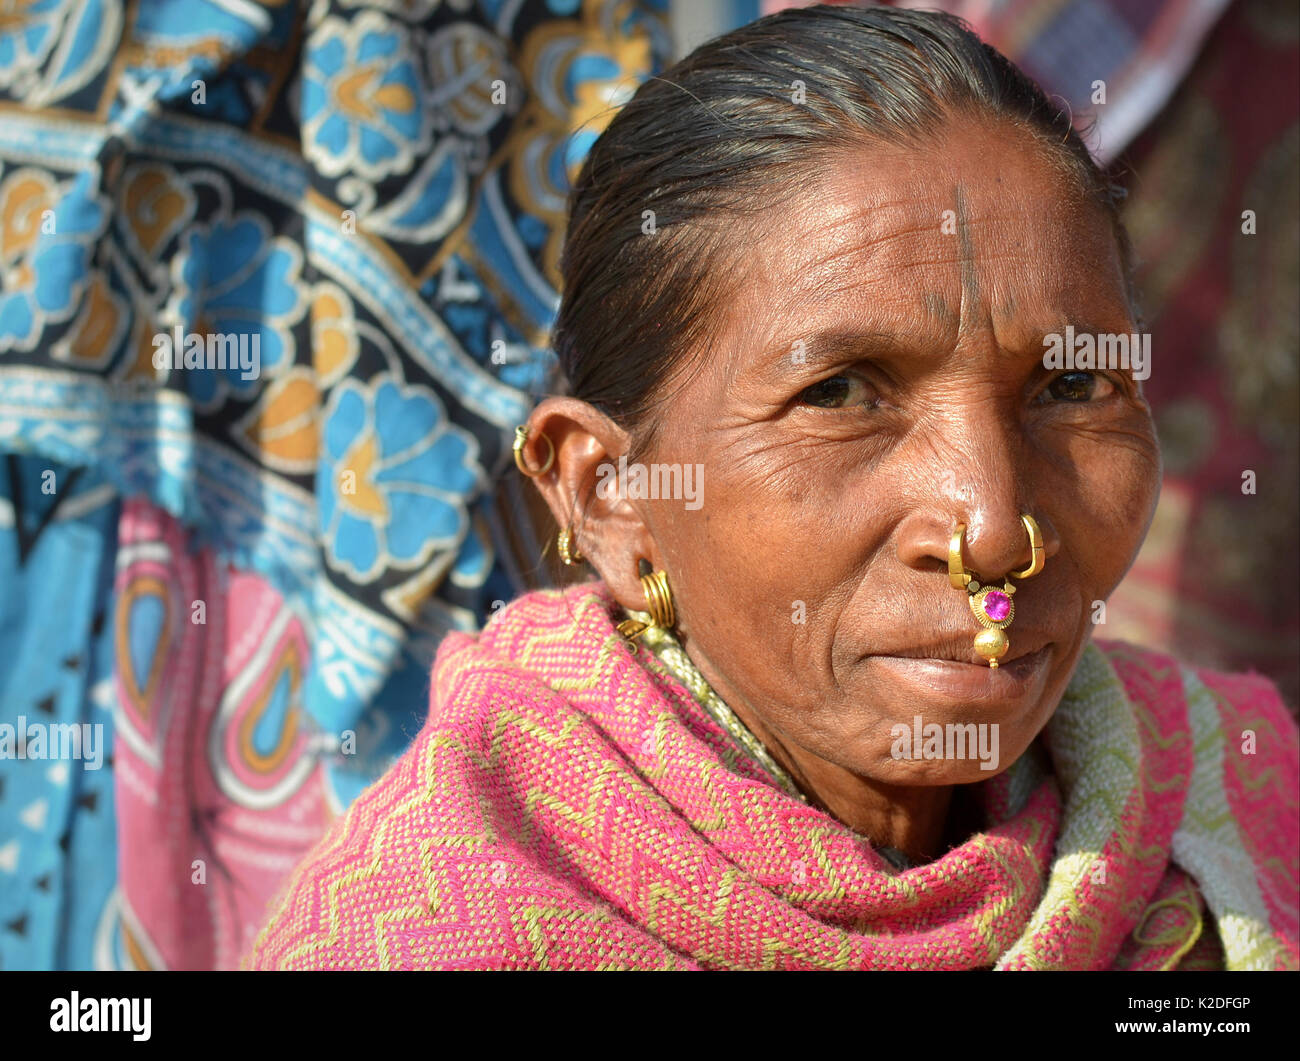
(995, 540)
(997, 544)
(994, 544)
(986, 488)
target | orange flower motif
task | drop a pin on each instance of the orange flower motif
(47, 229)
(333, 334)
(283, 429)
(25, 196)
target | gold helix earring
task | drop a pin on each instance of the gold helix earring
(568, 548)
(521, 438)
(993, 608)
(659, 603)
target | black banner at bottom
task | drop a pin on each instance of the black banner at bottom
(600, 1013)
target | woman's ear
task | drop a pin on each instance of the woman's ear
(580, 489)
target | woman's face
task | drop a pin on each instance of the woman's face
(878, 378)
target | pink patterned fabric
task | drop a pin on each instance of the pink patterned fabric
(218, 793)
(570, 805)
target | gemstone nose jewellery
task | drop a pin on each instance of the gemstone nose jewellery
(993, 608)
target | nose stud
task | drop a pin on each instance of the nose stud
(994, 609)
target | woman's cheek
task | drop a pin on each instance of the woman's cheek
(1120, 506)
(1136, 488)
(761, 555)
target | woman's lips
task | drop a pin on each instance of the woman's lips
(1015, 677)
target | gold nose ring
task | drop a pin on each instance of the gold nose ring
(1039, 557)
(993, 608)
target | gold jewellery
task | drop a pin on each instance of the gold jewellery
(659, 603)
(565, 543)
(521, 438)
(568, 548)
(993, 608)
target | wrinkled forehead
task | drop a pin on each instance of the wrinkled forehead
(982, 225)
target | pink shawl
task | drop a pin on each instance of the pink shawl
(570, 805)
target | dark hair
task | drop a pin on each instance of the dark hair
(719, 137)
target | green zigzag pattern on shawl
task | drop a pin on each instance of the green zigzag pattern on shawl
(986, 916)
(532, 916)
(1094, 709)
(346, 880)
(658, 892)
(673, 657)
(561, 635)
(1099, 782)
(528, 921)
(705, 823)
(1208, 846)
(674, 660)
(613, 646)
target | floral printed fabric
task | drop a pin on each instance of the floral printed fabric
(357, 209)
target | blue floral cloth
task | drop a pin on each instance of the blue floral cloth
(284, 271)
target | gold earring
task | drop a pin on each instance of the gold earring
(659, 603)
(568, 548)
(521, 438)
(993, 608)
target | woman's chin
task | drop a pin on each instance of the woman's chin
(958, 723)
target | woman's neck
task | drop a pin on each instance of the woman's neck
(912, 818)
(920, 822)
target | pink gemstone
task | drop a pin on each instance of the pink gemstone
(997, 605)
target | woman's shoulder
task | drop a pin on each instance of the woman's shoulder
(403, 878)
(545, 613)
(1237, 698)
(417, 872)
(1227, 751)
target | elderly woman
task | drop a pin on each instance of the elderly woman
(832, 701)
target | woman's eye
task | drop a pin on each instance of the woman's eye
(839, 392)
(1080, 387)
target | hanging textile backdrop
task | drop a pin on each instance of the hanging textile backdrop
(235, 572)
